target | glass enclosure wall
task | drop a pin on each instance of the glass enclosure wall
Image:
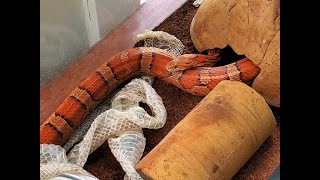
(69, 28)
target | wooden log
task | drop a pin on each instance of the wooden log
(215, 139)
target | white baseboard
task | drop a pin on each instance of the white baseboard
(90, 10)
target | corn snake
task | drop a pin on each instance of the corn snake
(193, 73)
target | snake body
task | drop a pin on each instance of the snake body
(188, 72)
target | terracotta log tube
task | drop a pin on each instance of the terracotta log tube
(215, 139)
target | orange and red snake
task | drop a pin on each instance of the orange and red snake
(192, 73)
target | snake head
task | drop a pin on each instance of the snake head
(188, 61)
(172, 66)
(183, 62)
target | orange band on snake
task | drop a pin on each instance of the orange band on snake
(132, 62)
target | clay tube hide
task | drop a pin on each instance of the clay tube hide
(215, 139)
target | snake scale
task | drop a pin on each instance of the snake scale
(193, 73)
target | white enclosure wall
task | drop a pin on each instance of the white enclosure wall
(68, 28)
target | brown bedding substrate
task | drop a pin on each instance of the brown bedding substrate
(178, 103)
